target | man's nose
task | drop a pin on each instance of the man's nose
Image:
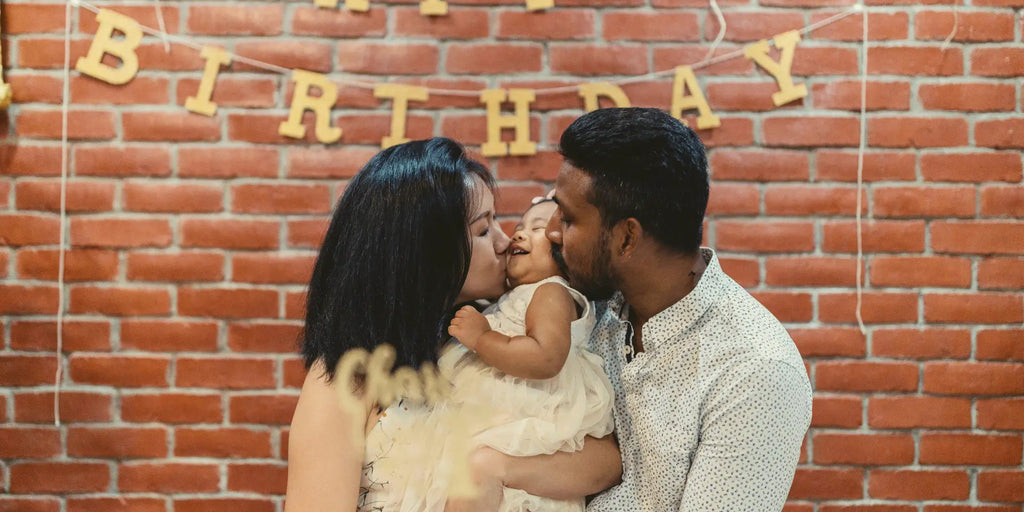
(554, 228)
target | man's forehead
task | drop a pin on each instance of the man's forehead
(572, 185)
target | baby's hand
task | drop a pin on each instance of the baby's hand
(468, 325)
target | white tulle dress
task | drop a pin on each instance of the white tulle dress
(412, 451)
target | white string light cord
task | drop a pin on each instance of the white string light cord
(860, 166)
(459, 92)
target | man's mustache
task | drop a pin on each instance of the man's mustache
(556, 254)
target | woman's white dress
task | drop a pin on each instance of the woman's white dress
(414, 451)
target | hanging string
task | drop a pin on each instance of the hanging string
(956, 25)
(474, 93)
(163, 27)
(721, 29)
(860, 168)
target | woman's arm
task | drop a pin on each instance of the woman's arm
(325, 450)
(541, 353)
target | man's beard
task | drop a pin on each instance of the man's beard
(597, 282)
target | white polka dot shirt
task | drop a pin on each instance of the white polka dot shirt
(711, 414)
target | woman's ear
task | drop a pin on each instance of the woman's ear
(626, 236)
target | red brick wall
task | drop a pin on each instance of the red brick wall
(192, 237)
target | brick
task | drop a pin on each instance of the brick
(29, 443)
(42, 18)
(515, 199)
(999, 133)
(865, 376)
(140, 90)
(75, 407)
(762, 236)
(970, 449)
(899, 132)
(924, 202)
(118, 504)
(263, 129)
(836, 411)
(881, 26)
(811, 131)
(139, 196)
(306, 233)
(736, 96)
(227, 162)
(978, 308)
(970, 26)
(20, 300)
(876, 307)
(877, 236)
(590, 60)
(541, 167)
(25, 159)
(372, 129)
(229, 20)
(293, 54)
(810, 271)
(786, 306)
(76, 336)
(746, 272)
(119, 371)
(219, 504)
(1005, 61)
(295, 305)
(232, 92)
(483, 59)
(827, 484)
(1001, 485)
(315, 21)
(227, 303)
(81, 196)
(892, 412)
(225, 373)
(674, 55)
(545, 25)
(264, 337)
(79, 265)
(912, 272)
(267, 269)
(929, 343)
(257, 478)
(262, 409)
(48, 53)
(833, 60)
(294, 375)
(321, 162)
(222, 443)
(969, 508)
(35, 89)
(170, 126)
(389, 59)
(918, 485)
(174, 408)
(1002, 201)
(280, 198)
(120, 301)
(1001, 413)
(28, 504)
(969, 97)
(845, 95)
(109, 161)
(175, 267)
(117, 443)
(966, 378)
(229, 233)
(841, 165)
(144, 15)
(58, 477)
(168, 478)
(168, 335)
(650, 26)
(456, 24)
(1000, 345)
(972, 167)
(863, 449)
(829, 342)
(18, 229)
(804, 200)
(82, 124)
(980, 237)
(915, 61)
(733, 199)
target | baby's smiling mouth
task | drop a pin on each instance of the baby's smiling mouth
(517, 251)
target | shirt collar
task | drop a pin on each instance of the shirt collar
(678, 317)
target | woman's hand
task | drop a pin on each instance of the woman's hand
(467, 326)
(488, 469)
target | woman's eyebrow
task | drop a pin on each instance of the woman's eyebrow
(486, 213)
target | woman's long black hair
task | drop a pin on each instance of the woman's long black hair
(395, 255)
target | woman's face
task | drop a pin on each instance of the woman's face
(486, 278)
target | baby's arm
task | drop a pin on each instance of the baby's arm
(539, 354)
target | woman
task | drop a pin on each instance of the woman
(414, 235)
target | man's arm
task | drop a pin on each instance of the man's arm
(750, 439)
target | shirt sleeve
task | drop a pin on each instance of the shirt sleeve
(752, 428)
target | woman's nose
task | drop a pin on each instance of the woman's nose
(554, 228)
(501, 241)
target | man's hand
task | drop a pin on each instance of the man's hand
(467, 326)
(487, 466)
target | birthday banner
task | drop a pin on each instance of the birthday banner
(686, 95)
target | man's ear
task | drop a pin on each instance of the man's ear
(626, 236)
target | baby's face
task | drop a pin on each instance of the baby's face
(529, 255)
